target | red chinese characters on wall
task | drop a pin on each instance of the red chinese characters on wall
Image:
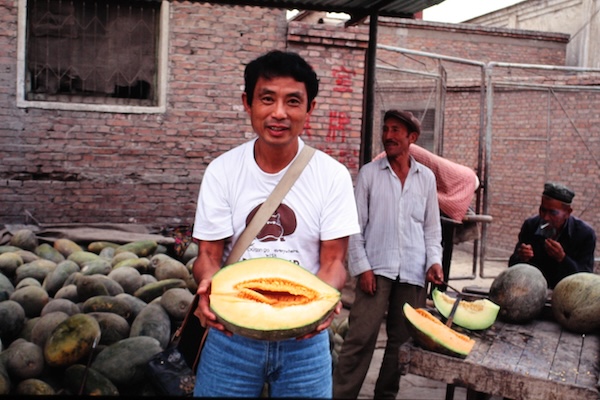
(343, 79)
(339, 120)
(337, 126)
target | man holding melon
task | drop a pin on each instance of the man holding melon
(397, 252)
(309, 228)
(554, 241)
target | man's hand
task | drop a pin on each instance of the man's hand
(525, 252)
(435, 274)
(325, 324)
(367, 282)
(203, 312)
(554, 250)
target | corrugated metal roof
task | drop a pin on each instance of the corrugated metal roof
(356, 8)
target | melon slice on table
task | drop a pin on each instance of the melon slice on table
(270, 299)
(474, 315)
(431, 334)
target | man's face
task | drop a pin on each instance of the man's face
(395, 137)
(279, 109)
(554, 212)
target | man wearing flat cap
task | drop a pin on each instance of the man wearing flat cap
(397, 252)
(554, 241)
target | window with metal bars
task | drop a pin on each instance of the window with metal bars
(427, 118)
(92, 51)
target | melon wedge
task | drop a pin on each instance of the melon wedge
(270, 299)
(474, 315)
(431, 334)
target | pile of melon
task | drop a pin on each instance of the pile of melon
(86, 319)
(64, 306)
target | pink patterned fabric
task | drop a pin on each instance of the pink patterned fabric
(456, 183)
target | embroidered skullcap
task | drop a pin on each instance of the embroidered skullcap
(558, 192)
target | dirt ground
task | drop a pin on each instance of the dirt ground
(413, 387)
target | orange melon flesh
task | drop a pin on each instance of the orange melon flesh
(432, 334)
(270, 299)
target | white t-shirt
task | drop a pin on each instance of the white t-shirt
(320, 206)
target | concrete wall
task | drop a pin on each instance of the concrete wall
(578, 18)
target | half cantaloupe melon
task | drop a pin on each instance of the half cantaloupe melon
(270, 299)
(431, 334)
(474, 315)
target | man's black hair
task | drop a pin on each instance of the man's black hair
(277, 64)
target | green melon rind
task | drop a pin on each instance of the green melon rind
(465, 319)
(431, 343)
(273, 334)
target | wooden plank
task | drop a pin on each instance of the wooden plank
(589, 361)
(483, 341)
(487, 379)
(538, 354)
(535, 361)
(566, 358)
(507, 348)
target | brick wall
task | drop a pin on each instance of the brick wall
(338, 56)
(75, 166)
(537, 135)
(71, 166)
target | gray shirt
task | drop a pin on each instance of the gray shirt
(401, 232)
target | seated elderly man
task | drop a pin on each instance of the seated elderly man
(554, 241)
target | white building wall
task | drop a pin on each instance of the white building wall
(578, 18)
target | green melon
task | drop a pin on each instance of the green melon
(66, 246)
(25, 360)
(96, 384)
(12, 315)
(34, 387)
(152, 321)
(104, 303)
(24, 239)
(71, 340)
(270, 299)
(153, 290)
(142, 248)
(576, 302)
(125, 362)
(9, 262)
(474, 315)
(48, 252)
(98, 246)
(521, 292)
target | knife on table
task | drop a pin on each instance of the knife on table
(454, 306)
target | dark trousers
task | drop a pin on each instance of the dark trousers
(366, 315)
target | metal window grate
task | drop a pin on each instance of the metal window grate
(427, 118)
(98, 51)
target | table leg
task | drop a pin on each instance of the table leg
(447, 248)
(449, 392)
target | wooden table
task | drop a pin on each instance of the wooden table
(538, 360)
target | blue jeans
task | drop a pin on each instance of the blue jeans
(238, 367)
